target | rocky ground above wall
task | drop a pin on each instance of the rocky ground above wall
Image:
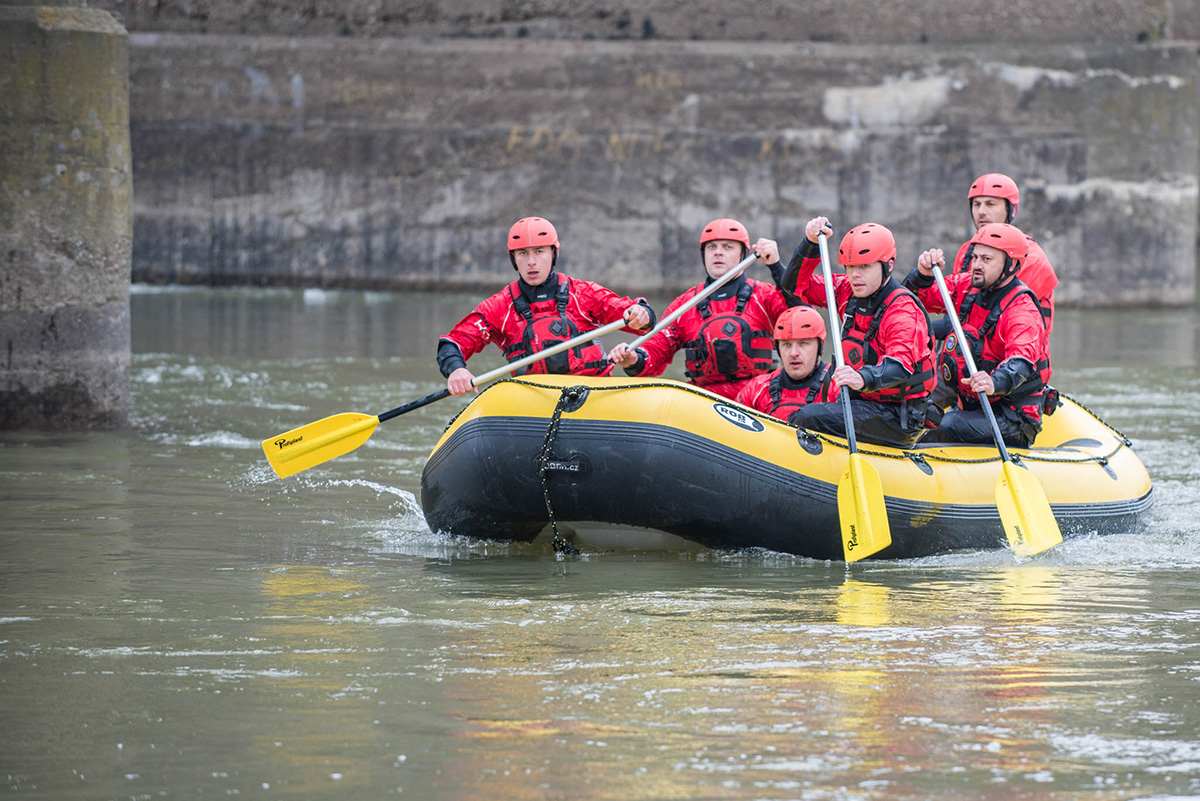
(841, 21)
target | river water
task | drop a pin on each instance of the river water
(176, 622)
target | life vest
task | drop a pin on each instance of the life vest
(979, 324)
(726, 346)
(547, 324)
(858, 334)
(815, 388)
(1045, 304)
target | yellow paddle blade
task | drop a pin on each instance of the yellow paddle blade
(1025, 513)
(308, 446)
(863, 515)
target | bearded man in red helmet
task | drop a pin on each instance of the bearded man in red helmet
(887, 340)
(803, 377)
(994, 198)
(539, 309)
(726, 338)
(1003, 321)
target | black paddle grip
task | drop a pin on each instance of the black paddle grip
(417, 404)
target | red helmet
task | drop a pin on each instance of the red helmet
(725, 228)
(996, 184)
(1005, 237)
(531, 232)
(866, 244)
(800, 322)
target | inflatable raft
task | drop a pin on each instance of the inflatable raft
(638, 463)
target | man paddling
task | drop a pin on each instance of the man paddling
(539, 309)
(995, 198)
(803, 377)
(726, 338)
(886, 337)
(1003, 321)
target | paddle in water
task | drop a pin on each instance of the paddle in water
(308, 446)
(861, 508)
(1025, 513)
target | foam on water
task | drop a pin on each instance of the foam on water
(254, 476)
(1164, 755)
(316, 296)
(407, 499)
(223, 439)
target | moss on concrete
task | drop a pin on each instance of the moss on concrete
(65, 216)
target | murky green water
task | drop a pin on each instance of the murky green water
(177, 623)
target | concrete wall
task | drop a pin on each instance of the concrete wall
(390, 143)
(401, 162)
(65, 217)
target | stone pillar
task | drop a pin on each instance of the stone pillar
(65, 217)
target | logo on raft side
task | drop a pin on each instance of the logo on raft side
(283, 443)
(739, 418)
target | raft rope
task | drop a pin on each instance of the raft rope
(1126, 441)
(567, 396)
(915, 455)
(921, 457)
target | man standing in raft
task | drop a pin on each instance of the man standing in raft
(540, 309)
(886, 337)
(994, 198)
(726, 338)
(1008, 339)
(804, 377)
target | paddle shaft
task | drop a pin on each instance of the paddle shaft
(737, 270)
(733, 273)
(1025, 512)
(965, 348)
(864, 523)
(312, 444)
(835, 328)
(508, 368)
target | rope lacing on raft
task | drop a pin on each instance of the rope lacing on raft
(567, 395)
(916, 455)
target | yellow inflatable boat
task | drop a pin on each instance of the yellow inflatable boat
(641, 462)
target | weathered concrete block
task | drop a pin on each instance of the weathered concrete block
(401, 163)
(65, 367)
(1185, 22)
(65, 218)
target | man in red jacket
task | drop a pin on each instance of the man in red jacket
(994, 198)
(1003, 322)
(886, 337)
(804, 377)
(726, 338)
(539, 309)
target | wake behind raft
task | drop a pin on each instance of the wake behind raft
(623, 462)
